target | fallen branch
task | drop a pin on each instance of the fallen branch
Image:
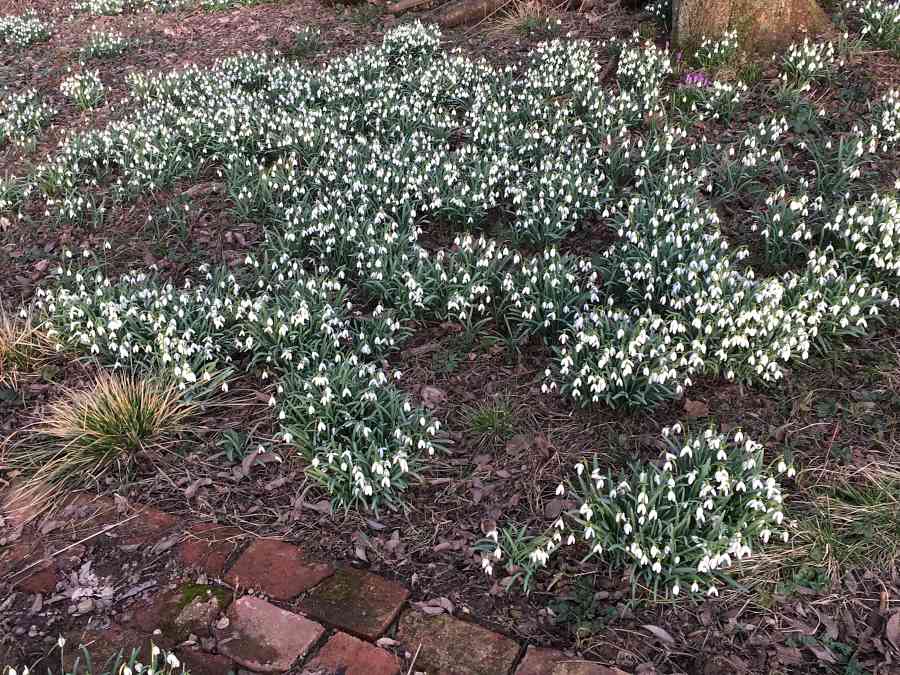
(468, 11)
(405, 6)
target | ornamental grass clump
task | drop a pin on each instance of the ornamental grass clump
(116, 424)
(24, 30)
(84, 89)
(22, 116)
(681, 525)
(25, 347)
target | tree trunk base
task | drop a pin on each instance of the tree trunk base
(761, 25)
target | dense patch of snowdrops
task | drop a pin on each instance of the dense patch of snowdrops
(680, 524)
(84, 89)
(22, 116)
(880, 22)
(103, 44)
(807, 62)
(24, 30)
(348, 165)
(116, 7)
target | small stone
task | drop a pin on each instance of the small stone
(197, 617)
(174, 614)
(454, 647)
(357, 601)
(85, 605)
(277, 569)
(539, 661)
(349, 656)
(265, 638)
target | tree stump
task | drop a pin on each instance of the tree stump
(761, 25)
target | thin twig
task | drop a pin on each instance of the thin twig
(72, 545)
(415, 657)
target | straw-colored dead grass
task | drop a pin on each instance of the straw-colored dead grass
(523, 17)
(117, 424)
(25, 348)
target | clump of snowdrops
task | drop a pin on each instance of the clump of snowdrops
(880, 22)
(161, 662)
(85, 89)
(22, 116)
(715, 53)
(808, 62)
(104, 44)
(23, 31)
(107, 7)
(681, 525)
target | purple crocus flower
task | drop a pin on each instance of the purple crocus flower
(696, 78)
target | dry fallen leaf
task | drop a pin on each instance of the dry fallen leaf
(432, 397)
(661, 634)
(191, 489)
(258, 458)
(822, 653)
(553, 508)
(696, 408)
(892, 630)
(435, 606)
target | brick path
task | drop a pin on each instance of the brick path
(275, 610)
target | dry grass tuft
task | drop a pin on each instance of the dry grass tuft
(25, 348)
(848, 519)
(117, 424)
(523, 17)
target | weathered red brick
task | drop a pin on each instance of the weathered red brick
(40, 579)
(147, 527)
(346, 655)
(357, 601)
(540, 661)
(277, 569)
(88, 514)
(23, 563)
(265, 638)
(453, 647)
(176, 613)
(208, 546)
(203, 663)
